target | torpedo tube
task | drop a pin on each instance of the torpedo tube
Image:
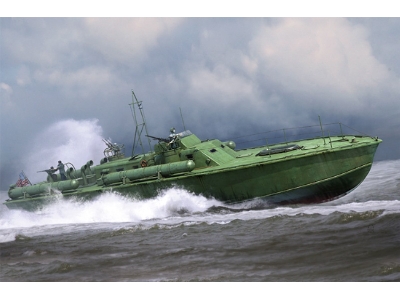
(42, 188)
(164, 170)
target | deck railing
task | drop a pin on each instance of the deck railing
(292, 134)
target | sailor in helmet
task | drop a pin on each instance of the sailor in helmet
(60, 167)
(172, 135)
(172, 138)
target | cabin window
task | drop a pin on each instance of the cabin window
(189, 156)
(213, 150)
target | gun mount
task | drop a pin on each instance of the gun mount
(113, 150)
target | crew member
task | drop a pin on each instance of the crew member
(60, 167)
(172, 138)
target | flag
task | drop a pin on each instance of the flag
(23, 180)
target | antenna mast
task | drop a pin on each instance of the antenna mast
(140, 124)
(184, 128)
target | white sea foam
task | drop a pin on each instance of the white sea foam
(106, 208)
(172, 208)
(69, 140)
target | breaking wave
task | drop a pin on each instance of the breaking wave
(173, 207)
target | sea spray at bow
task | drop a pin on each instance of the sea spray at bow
(69, 141)
(173, 207)
(106, 208)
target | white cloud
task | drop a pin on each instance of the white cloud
(63, 143)
(75, 52)
(6, 88)
(88, 77)
(219, 84)
(23, 77)
(5, 92)
(325, 55)
(126, 39)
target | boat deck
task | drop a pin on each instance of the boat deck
(309, 147)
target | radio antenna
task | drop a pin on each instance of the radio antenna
(140, 124)
(184, 128)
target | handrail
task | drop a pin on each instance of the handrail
(285, 135)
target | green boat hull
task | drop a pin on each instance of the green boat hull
(315, 172)
(313, 178)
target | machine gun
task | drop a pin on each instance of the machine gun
(158, 139)
(49, 171)
(112, 149)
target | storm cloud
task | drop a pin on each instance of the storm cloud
(229, 77)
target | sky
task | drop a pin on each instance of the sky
(66, 83)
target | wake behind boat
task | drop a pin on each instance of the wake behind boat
(309, 170)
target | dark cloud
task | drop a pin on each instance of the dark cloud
(229, 76)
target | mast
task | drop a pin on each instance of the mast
(140, 124)
(184, 128)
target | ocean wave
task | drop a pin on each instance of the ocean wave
(173, 208)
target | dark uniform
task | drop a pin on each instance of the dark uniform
(60, 167)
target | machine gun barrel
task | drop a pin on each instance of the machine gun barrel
(159, 139)
(108, 143)
(48, 171)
